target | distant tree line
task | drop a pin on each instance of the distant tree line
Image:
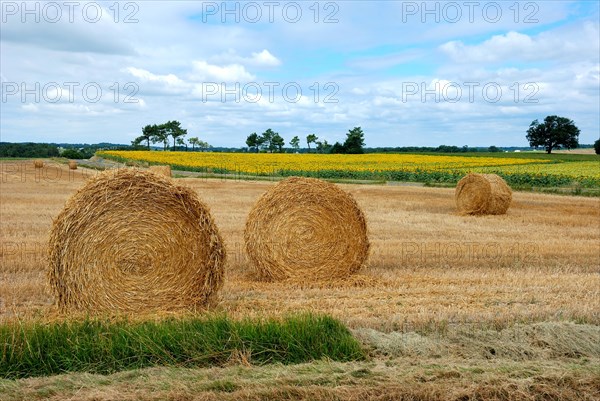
(28, 149)
(430, 149)
(160, 133)
(553, 133)
(271, 141)
(68, 150)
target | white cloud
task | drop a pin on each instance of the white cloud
(263, 58)
(170, 53)
(170, 79)
(228, 73)
(561, 44)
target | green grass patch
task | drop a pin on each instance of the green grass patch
(96, 346)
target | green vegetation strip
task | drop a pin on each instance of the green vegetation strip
(95, 346)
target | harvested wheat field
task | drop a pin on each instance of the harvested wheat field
(451, 307)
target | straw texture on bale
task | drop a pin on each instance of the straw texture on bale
(131, 240)
(478, 194)
(72, 165)
(305, 229)
(164, 170)
(38, 163)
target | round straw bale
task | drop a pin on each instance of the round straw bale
(38, 163)
(306, 229)
(72, 165)
(482, 194)
(163, 170)
(133, 241)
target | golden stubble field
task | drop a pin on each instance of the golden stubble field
(428, 266)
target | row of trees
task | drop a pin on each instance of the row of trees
(161, 133)
(271, 141)
(28, 149)
(553, 133)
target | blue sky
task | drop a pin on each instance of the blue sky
(455, 73)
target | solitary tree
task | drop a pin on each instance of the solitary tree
(597, 146)
(311, 138)
(555, 132)
(355, 140)
(295, 142)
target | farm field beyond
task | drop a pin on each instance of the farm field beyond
(533, 169)
(429, 271)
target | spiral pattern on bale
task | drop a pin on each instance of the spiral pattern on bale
(132, 240)
(305, 229)
(478, 194)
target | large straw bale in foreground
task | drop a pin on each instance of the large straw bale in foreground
(131, 240)
(306, 229)
(162, 170)
(482, 194)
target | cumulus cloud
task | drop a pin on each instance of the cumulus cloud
(170, 79)
(69, 29)
(562, 44)
(204, 71)
(164, 55)
(263, 58)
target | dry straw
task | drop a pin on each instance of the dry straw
(305, 229)
(38, 163)
(482, 194)
(163, 170)
(134, 241)
(72, 165)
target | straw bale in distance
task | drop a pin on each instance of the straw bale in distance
(72, 165)
(478, 194)
(131, 240)
(164, 170)
(38, 163)
(305, 229)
